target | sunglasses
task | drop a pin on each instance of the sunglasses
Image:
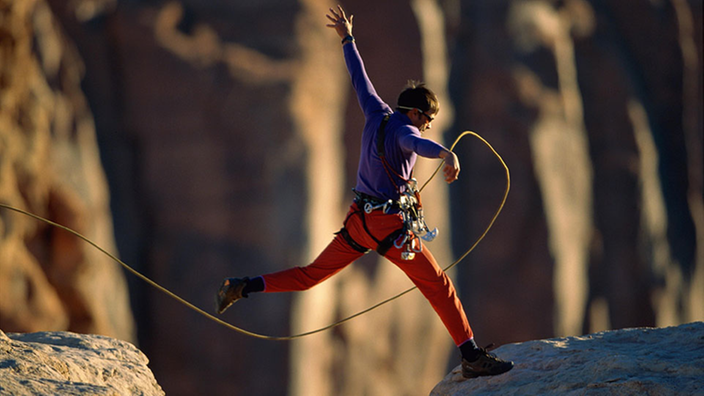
(430, 119)
(428, 116)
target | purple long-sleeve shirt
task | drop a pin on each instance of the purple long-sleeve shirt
(402, 144)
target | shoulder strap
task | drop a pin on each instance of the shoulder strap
(381, 136)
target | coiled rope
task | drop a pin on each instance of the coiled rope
(289, 337)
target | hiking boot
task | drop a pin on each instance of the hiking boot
(230, 291)
(485, 364)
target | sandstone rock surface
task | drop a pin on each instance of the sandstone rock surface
(65, 363)
(636, 361)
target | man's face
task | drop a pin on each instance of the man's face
(423, 120)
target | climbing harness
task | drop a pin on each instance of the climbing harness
(410, 207)
(409, 237)
(370, 204)
(319, 330)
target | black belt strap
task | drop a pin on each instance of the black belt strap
(388, 242)
(381, 136)
(382, 246)
(346, 236)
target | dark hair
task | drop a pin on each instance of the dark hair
(417, 95)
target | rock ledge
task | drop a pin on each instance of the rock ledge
(639, 361)
(64, 363)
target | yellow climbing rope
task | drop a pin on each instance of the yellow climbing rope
(290, 337)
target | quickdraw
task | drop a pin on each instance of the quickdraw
(414, 223)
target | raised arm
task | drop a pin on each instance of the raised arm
(369, 100)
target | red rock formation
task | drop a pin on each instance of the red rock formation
(229, 136)
(49, 165)
(592, 103)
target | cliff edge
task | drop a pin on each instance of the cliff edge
(65, 363)
(638, 361)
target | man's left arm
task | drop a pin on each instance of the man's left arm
(430, 149)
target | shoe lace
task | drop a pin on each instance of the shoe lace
(488, 355)
(488, 347)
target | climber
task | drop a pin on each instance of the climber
(386, 214)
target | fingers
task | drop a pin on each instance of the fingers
(340, 17)
(339, 21)
(451, 173)
(334, 14)
(336, 20)
(451, 170)
(342, 12)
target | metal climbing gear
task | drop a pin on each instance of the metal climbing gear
(412, 211)
(414, 222)
(408, 203)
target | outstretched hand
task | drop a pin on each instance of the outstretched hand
(451, 168)
(340, 23)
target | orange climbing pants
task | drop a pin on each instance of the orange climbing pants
(423, 270)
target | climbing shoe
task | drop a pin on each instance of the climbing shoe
(485, 364)
(230, 291)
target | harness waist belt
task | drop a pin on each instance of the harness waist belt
(362, 199)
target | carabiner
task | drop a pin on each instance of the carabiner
(368, 208)
(403, 242)
(420, 245)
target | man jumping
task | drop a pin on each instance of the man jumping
(386, 215)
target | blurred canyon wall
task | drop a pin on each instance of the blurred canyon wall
(229, 135)
(597, 107)
(50, 166)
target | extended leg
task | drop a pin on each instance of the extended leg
(336, 256)
(438, 289)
